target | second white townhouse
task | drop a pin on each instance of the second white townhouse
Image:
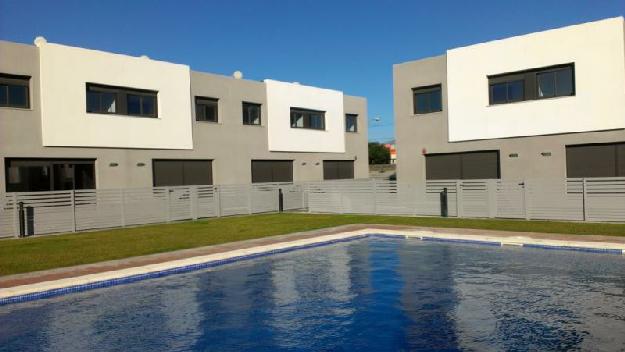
(546, 105)
(74, 118)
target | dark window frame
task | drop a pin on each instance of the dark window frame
(530, 78)
(619, 168)
(249, 122)
(355, 117)
(121, 99)
(182, 161)
(461, 165)
(204, 101)
(427, 91)
(9, 80)
(49, 163)
(307, 118)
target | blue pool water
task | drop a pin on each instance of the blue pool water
(372, 294)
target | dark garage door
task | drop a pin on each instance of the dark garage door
(338, 169)
(463, 166)
(182, 172)
(272, 171)
(596, 160)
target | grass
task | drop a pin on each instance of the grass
(40, 253)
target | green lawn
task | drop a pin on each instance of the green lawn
(32, 254)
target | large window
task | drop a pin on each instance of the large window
(272, 171)
(14, 91)
(182, 172)
(33, 174)
(351, 123)
(338, 169)
(251, 113)
(462, 166)
(540, 83)
(595, 160)
(206, 109)
(103, 99)
(306, 118)
(427, 99)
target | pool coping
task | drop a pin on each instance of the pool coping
(39, 285)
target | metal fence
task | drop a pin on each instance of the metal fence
(596, 199)
(69, 211)
(592, 199)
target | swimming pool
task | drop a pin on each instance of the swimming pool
(368, 294)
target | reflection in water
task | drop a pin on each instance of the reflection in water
(380, 295)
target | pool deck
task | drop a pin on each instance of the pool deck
(38, 281)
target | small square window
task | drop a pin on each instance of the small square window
(515, 90)
(251, 113)
(133, 105)
(564, 82)
(206, 109)
(306, 118)
(499, 93)
(427, 99)
(14, 91)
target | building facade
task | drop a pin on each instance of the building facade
(544, 105)
(73, 118)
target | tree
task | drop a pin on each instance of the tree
(378, 153)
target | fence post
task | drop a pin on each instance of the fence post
(249, 203)
(584, 201)
(375, 196)
(217, 195)
(16, 220)
(526, 199)
(459, 198)
(73, 198)
(122, 206)
(169, 190)
(193, 197)
(492, 198)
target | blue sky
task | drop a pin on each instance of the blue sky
(345, 45)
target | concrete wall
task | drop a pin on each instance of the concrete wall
(428, 133)
(282, 96)
(596, 48)
(230, 144)
(65, 71)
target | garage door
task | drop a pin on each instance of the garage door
(182, 172)
(272, 171)
(463, 166)
(595, 160)
(338, 169)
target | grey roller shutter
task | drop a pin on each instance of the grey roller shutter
(620, 160)
(182, 172)
(338, 169)
(591, 160)
(272, 171)
(197, 172)
(463, 166)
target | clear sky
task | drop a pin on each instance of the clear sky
(345, 45)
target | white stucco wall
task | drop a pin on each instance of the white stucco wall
(596, 48)
(281, 96)
(65, 122)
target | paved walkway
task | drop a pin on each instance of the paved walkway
(69, 272)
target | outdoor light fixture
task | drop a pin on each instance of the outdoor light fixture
(113, 164)
(317, 163)
(513, 155)
(303, 163)
(545, 153)
(140, 164)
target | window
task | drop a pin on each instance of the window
(338, 169)
(182, 172)
(507, 92)
(595, 160)
(14, 91)
(555, 83)
(305, 118)
(34, 175)
(206, 109)
(541, 83)
(462, 166)
(251, 114)
(427, 99)
(351, 123)
(272, 171)
(103, 99)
